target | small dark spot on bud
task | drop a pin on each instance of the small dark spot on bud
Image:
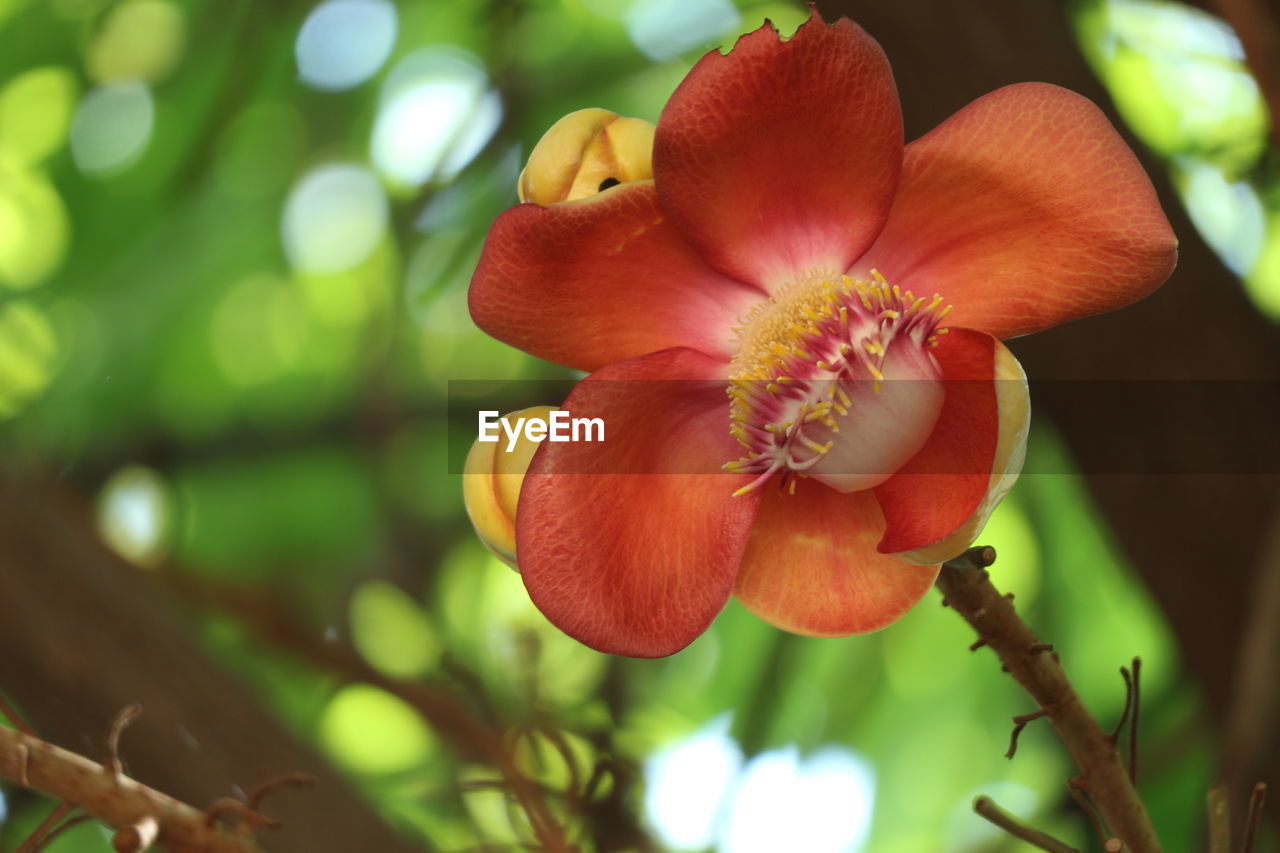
(608, 182)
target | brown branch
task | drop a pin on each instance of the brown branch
(121, 803)
(1219, 819)
(1256, 802)
(966, 587)
(988, 809)
(476, 740)
(138, 837)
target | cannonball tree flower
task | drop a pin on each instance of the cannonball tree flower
(850, 295)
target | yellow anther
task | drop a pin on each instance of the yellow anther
(820, 449)
(585, 151)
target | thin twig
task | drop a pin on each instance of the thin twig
(987, 807)
(1256, 802)
(1128, 705)
(1020, 723)
(1081, 796)
(475, 739)
(1133, 722)
(967, 588)
(238, 809)
(74, 820)
(127, 715)
(35, 840)
(1219, 819)
(11, 714)
(289, 780)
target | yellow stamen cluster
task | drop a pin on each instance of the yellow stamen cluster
(801, 353)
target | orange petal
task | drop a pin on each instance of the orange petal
(811, 565)
(939, 502)
(637, 563)
(1025, 210)
(782, 156)
(591, 282)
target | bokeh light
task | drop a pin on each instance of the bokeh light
(333, 219)
(370, 731)
(438, 110)
(34, 227)
(820, 804)
(687, 782)
(138, 40)
(135, 515)
(28, 354)
(342, 43)
(35, 113)
(1228, 214)
(391, 631)
(663, 29)
(111, 127)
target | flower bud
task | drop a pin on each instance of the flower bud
(491, 483)
(584, 153)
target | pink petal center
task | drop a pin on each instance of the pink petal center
(833, 379)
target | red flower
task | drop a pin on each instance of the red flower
(774, 252)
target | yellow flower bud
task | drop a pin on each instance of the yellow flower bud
(491, 483)
(585, 152)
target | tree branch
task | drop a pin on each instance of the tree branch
(967, 588)
(987, 808)
(473, 738)
(119, 802)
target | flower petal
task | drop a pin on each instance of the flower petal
(811, 565)
(1025, 210)
(782, 156)
(637, 563)
(591, 282)
(938, 503)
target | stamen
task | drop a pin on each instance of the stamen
(802, 355)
